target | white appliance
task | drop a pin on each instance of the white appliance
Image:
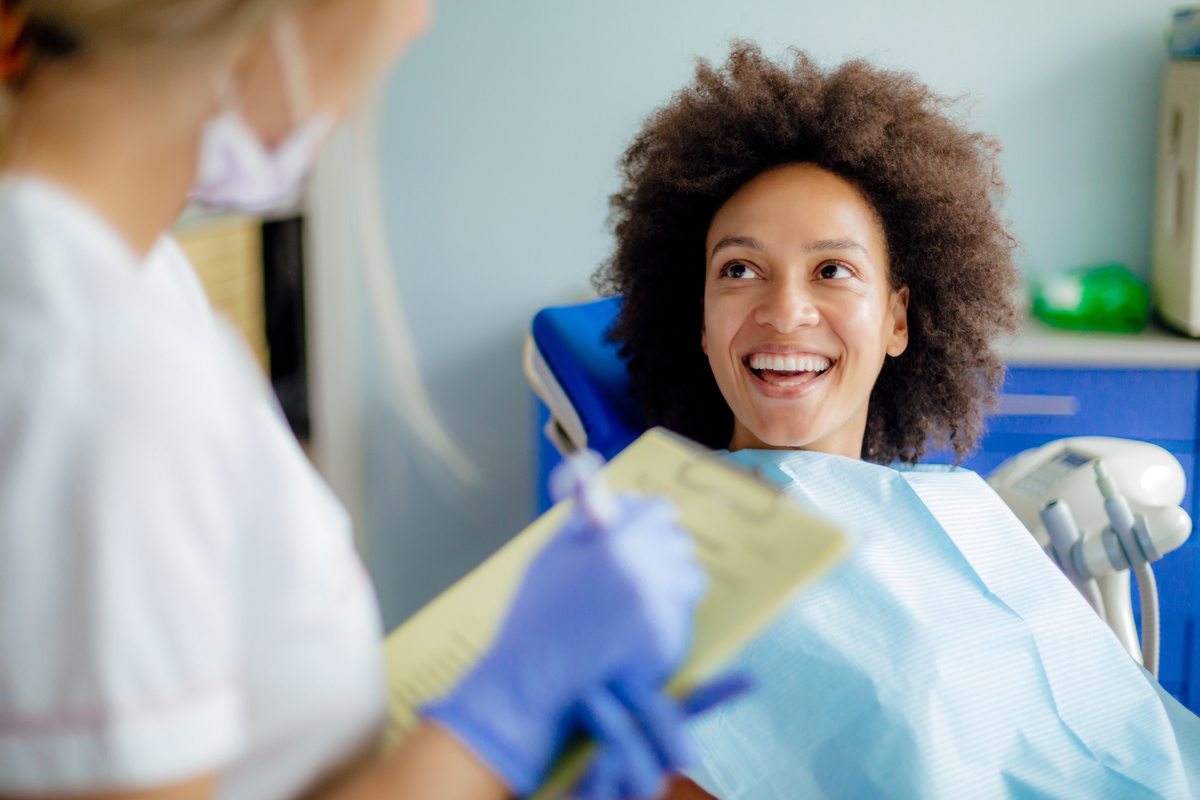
(1175, 259)
(1101, 507)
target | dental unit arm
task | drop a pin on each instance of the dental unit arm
(1101, 507)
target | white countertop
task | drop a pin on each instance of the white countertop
(1154, 348)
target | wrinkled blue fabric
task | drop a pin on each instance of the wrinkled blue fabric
(946, 658)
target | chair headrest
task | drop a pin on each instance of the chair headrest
(574, 344)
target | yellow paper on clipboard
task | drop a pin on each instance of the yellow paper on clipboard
(758, 547)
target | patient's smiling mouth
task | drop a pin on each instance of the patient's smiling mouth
(787, 369)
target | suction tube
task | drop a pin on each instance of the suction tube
(407, 390)
(1148, 596)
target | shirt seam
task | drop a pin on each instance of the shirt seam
(100, 718)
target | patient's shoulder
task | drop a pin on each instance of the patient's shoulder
(929, 469)
(949, 483)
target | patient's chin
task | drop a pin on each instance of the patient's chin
(780, 435)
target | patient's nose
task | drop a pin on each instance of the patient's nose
(787, 308)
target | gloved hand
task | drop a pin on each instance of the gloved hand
(597, 605)
(640, 734)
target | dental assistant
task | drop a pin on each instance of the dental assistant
(182, 612)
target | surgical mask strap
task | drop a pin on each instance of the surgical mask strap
(293, 66)
(225, 91)
(293, 70)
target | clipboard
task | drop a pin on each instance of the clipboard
(759, 547)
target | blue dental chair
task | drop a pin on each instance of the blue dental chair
(581, 386)
(583, 399)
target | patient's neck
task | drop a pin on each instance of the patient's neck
(845, 440)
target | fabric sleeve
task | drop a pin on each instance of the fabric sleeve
(118, 573)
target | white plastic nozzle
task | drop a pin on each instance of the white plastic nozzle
(1108, 487)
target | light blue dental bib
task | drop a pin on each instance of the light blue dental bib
(947, 657)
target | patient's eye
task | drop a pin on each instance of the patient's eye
(835, 270)
(735, 269)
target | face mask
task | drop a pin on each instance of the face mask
(236, 171)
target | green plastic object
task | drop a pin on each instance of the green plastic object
(1107, 297)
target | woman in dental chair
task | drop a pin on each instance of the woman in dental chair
(815, 268)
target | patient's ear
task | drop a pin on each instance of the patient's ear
(898, 342)
(703, 337)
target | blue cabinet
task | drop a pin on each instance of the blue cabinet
(1040, 404)
(1147, 404)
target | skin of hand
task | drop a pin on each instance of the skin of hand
(686, 789)
(122, 132)
(797, 266)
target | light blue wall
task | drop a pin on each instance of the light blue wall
(500, 137)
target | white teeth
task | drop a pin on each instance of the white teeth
(789, 363)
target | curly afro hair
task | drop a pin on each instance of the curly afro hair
(933, 183)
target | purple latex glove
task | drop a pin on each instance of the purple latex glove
(641, 735)
(598, 604)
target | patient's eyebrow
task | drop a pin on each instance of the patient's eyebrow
(749, 242)
(821, 245)
(835, 244)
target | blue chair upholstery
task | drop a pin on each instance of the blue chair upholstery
(573, 343)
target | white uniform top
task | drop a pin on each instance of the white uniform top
(179, 592)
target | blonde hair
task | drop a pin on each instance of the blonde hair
(53, 30)
(94, 24)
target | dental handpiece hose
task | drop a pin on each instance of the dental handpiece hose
(1121, 517)
(1148, 597)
